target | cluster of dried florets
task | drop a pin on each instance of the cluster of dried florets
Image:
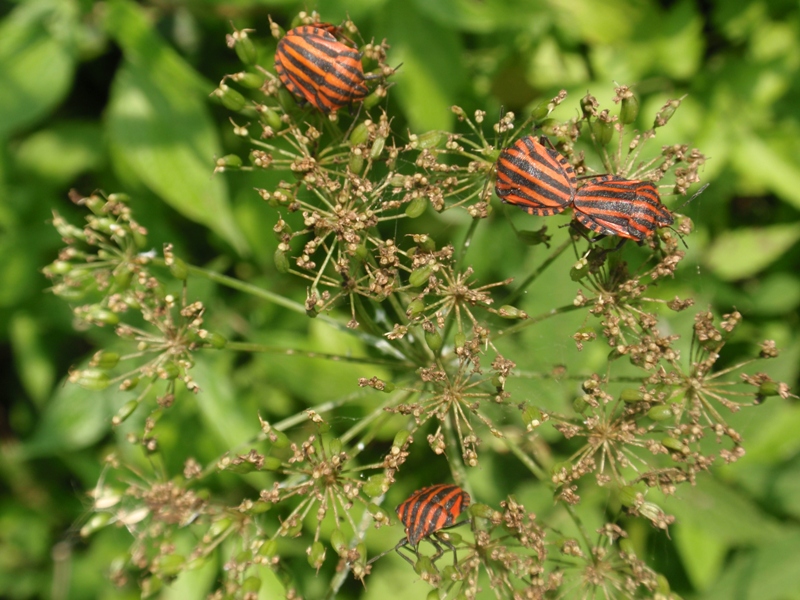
(106, 273)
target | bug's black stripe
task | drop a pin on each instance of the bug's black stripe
(326, 53)
(353, 89)
(419, 506)
(353, 86)
(537, 169)
(518, 191)
(593, 225)
(303, 60)
(334, 76)
(428, 520)
(454, 504)
(536, 178)
(533, 184)
(421, 498)
(428, 510)
(620, 220)
(320, 41)
(306, 81)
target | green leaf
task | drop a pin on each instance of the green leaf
(599, 22)
(703, 554)
(769, 572)
(37, 61)
(776, 295)
(485, 16)
(35, 369)
(193, 583)
(62, 152)
(18, 276)
(222, 413)
(723, 513)
(760, 162)
(159, 126)
(744, 252)
(432, 73)
(773, 438)
(75, 418)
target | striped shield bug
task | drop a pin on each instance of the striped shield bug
(425, 514)
(537, 179)
(317, 68)
(611, 205)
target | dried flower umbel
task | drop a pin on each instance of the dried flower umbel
(346, 207)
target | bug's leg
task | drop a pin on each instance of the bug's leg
(413, 551)
(450, 546)
(439, 550)
(399, 545)
(447, 542)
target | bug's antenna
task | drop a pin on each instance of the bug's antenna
(696, 194)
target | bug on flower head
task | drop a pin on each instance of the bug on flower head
(425, 513)
(611, 205)
(534, 177)
(316, 67)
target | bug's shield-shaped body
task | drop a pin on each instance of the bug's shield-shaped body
(611, 205)
(430, 509)
(537, 179)
(316, 67)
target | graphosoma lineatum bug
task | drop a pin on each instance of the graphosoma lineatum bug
(427, 512)
(316, 67)
(611, 205)
(537, 179)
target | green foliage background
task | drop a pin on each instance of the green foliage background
(114, 95)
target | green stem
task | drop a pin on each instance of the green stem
(250, 347)
(248, 288)
(467, 241)
(364, 422)
(581, 529)
(288, 422)
(243, 286)
(532, 277)
(455, 460)
(341, 576)
(526, 460)
(533, 320)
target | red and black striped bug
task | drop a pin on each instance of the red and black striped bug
(426, 513)
(537, 179)
(611, 205)
(316, 67)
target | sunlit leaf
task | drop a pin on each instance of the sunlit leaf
(37, 60)
(744, 252)
(432, 73)
(159, 126)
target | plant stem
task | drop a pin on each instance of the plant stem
(250, 347)
(526, 460)
(248, 288)
(532, 277)
(532, 320)
(455, 460)
(467, 241)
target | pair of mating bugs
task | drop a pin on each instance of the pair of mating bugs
(425, 514)
(540, 181)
